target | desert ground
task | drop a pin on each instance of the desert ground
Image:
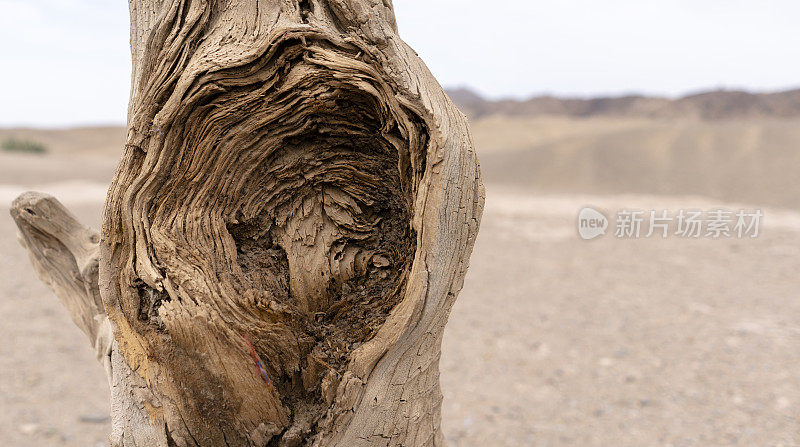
(554, 340)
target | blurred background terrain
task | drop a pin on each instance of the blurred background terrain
(554, 341)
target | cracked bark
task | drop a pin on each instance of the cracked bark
(287, 230)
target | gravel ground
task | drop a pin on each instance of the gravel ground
(554, 341)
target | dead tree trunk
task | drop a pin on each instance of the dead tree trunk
(284, 237)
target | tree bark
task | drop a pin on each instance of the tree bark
(284, 237)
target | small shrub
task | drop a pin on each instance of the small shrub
(24, 146)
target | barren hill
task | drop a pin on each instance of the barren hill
(710, 105)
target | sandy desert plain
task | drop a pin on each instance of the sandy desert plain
(554, 341)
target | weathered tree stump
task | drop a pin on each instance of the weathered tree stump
(284, 237)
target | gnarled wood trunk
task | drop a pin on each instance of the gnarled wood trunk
(284, 237)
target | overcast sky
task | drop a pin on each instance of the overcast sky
(66, 62)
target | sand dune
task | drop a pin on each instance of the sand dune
(753, 161)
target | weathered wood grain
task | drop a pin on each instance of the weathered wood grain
(286, 232)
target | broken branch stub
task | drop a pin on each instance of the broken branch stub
(64, 254)
(287, 230)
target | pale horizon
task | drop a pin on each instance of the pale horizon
(70, 59)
